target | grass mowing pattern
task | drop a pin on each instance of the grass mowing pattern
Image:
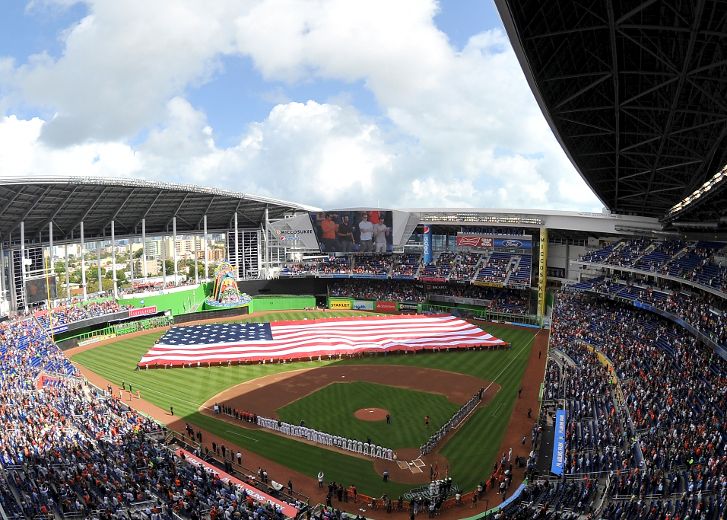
(471, 452)
(331, 409)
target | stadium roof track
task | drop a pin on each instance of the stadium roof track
(634, 91)
(66, 201)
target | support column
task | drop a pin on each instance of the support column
(131, 261)
(143, 248)
(22, 264)
(237, 252)
(242, 256)
(50, 248)
(196, 255)
(163, 255)
(68, 276)
(98, 266)
(206, 255)
(265, 243)
(174, 248)
(113, 260)
(83, 264)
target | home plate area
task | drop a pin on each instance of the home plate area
(415, 466)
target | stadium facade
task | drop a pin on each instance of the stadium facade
(260, 234)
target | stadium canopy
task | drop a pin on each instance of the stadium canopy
(68, 201)
(635, 91)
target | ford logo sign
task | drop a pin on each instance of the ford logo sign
(512, 243)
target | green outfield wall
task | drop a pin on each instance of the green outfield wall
(282, 303)
(180, 302)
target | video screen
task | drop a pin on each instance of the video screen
(365, 231)
(37, 291)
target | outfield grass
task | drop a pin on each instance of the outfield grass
(331, 409)
(471, 452)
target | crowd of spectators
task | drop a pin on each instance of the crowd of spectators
(69, 450)
(142, 286)
(699, 261)
(460, 267)
(496, 269)
(702, 310)
(657, 414)
(75, 310)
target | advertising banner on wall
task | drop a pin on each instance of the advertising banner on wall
(469, 241)
(473, 241)
(339, 304)
(386, 306)
(558, 463)
(363, 305)
(427, 243)
(143, 311)
(513, 243)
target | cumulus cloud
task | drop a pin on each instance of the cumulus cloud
(457, 128)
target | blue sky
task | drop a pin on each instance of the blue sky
(327, 102)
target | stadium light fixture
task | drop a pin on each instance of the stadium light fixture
(716, 180)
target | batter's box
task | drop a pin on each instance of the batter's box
(419, 463)
(414, 468)
(402, 464)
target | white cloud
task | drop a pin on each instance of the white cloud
(22, 153)
(458, 128)
(121, 64)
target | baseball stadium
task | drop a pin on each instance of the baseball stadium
(180, 352)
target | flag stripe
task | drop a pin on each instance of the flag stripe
(312, 338)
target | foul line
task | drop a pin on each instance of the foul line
(232, 432)
(511, 361)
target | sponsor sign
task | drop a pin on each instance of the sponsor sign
(386, 306)
(339, 304)
(295, 232)
(363, 305)
(60, 328)
(96, 339)
(558, 463)
(408, 306)
(432, 279)
(542, 270)
(260, 496)
(488, 242)
(427, 242)
(143, 311)
(513, 243)
(487, 284)
(473, 241)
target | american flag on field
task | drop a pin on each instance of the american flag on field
(284, 340)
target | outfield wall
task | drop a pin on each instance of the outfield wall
(342, 303)
(180, 302)
(282, 303)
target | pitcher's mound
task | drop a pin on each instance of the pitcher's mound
(371, 414)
